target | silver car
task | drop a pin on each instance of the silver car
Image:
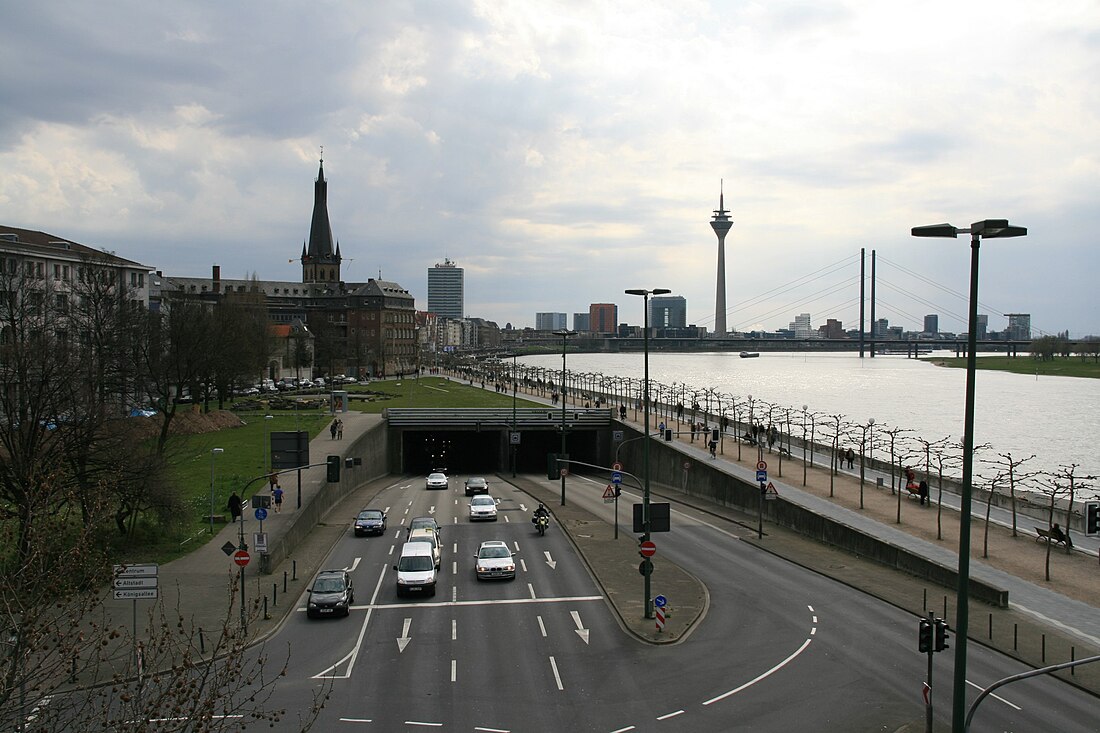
(495, 561)
(436, 481)
(483, 506)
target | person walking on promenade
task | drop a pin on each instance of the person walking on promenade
(332, 429)
(277, 497)
(339, 429)
(234, 506)
(622, 412)
(850, 456)
(692, 431)
(713, 448)
(922, 491)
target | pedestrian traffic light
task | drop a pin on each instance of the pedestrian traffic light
(941, 635)
(333, 469)
(924, 636)
(1092, 518)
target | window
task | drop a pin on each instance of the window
(62, 302)
(66, 273)
(57, 272)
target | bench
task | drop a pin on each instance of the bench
(1045, 536)
(215, 518)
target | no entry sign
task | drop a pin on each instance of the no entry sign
(241, 557)
(647, 548)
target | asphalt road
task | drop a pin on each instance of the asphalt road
(779, 648)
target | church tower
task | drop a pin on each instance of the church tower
(320, 262)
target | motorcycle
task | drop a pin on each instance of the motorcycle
(541, 523)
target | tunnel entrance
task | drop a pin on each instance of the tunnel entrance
(488, 451)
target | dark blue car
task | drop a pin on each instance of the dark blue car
(370, 521)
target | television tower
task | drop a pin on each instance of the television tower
(721, 224)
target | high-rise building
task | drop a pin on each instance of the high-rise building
(721, 224)
(603, 317)
(445, 290)
(1019, 326)
(668, 311)
(932, 323)
(550, 322)
(983, 326)
(801, 326)
(581, 322)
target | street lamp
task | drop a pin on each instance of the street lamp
(561, 466)
(990, 229)
(512, 438)
(804, 444)
(647, 601)
(213, 452)
(267, 442)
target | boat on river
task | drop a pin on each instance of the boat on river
(749, 354)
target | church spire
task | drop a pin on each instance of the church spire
(320, 261)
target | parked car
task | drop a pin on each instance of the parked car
(331, 594)
(476, 485)
(319, 382)
(483, 507)
(370, 521)
(437, 481)
(305, 384)
(495, 561)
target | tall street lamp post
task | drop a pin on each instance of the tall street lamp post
(267, 442)
(647, 601)
(561, 466)
(512, 437)
(989, 228)
(213, 452)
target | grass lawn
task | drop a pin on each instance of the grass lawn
(244, 456)
(1072, 366)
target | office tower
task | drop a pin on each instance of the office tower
(932, 323)
(550, 322)
(581, 322)
(445, 290)
(603, 318)
(668, 311)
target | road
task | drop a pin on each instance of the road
(780, 647)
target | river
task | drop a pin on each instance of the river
(1055, 418)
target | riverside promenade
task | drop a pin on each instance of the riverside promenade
(1044, 624)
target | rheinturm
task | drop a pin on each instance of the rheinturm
(320, 262)
(721, 224)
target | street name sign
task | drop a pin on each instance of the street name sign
(133, 594)
(131, 571)
(147, 582)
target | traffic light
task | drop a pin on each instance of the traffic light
(1092, 518)
(714, 435)
(941, 635)
(333, 469)
(924, 636)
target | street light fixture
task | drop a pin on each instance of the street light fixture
(990, 229)
(565, 334)
(213, 452)
(647, 601)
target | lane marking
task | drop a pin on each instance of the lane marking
(492, 730)
(354, 565)
(1055, 622)
(623, 730)
(454, 548)
(531, 588)
(454, 593)
(351, 656)
(523, 564)
(771, 671)
(581, 631)
(403, 640)
(391, 550)
(666, 716)
(454, 629)
(557, 677)
(1006, 702)
(356, 720)
(542, 626)
(423, 723)
(454, 567)
(486, 602)
(454, 669)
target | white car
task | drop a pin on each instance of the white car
(437, 481)
(483, 506)
(428, 537)
(494, 561)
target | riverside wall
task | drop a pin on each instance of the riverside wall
(704, 480)
(371, 448)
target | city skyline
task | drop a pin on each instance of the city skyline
(565, 153)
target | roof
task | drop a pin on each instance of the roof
(44, 244)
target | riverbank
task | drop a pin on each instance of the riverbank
(1087, 367)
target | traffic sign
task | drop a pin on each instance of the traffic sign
(616, 477)
(131, 571)
(146, 582)
(770, 493)
(261, 514)
(564, 472)
(609, 493)
(616, 466)
(513, 439)
(660, 601)
(761, 476)
(133, 594)
(647, 548)
(687, 465)
(228, 549)
(241, 557)
(259, 541)
(761, 465)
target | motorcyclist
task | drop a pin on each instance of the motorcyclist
(542, 511)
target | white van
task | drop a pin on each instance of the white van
(416, 569)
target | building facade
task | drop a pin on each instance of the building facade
(603, 318)
(931, 324)
(668, 311)
(581, 322)
(445, 290)
(550, 322)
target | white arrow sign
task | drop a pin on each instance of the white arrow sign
(522, 507)
(140, 582)
(581, 631)
(404, 640)
(432, 510)
(549, 560)
(354, 565)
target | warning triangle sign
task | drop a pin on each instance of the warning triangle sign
(771, 489)
(609, 492)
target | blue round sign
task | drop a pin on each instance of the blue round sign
(660, 601)
(616, 477)
(261, 513)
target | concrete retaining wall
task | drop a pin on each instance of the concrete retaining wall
(371, 448)
(701, 479)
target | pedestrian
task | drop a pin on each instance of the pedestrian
(277, 497)
(332, 429)
(622, 412)
(922, 491)
(234, 506)
(850, 455)
(679, 410)
(339, 429)
(692, 431)
(713, 448)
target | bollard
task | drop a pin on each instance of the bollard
(1072, 658)
(1043, 658)
(266, 614)
(945, 608)
(294, 567)
(924, 601)
(991, 626)
(1015, 636)
(284, 581)
(202, 642)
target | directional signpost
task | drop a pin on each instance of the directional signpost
(133, 582)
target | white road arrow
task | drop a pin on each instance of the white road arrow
(581, 631)
(522, 507)
(432, 510)
(404, 640)
(354, 565)
(549, 560)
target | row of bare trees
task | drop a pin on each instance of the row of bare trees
(76, 474)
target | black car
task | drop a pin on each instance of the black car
(476, 485)
(370, 521)
(331, 594)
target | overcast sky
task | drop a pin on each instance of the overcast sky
(561, 152)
